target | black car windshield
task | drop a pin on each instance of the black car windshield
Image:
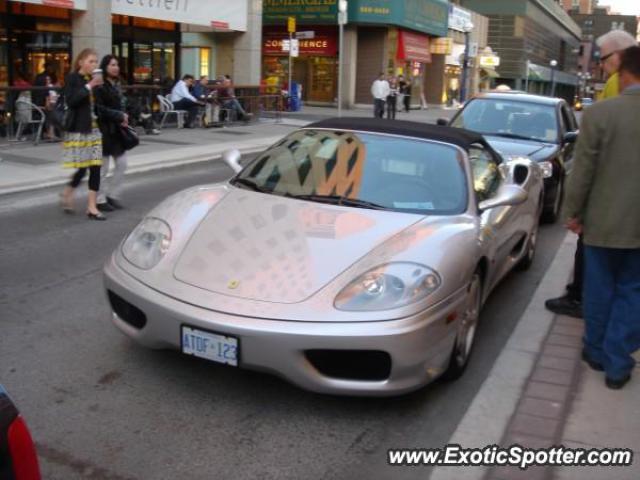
(362, 170)
(509, 118)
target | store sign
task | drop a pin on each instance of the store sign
(321, 46)
(427, 16)
(490, 61)
(442, 45)
(277, 12)
(232, 14)
(69, 4)
(458, 18)
(413, 47)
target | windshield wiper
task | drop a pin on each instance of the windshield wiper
(340, 200)
(514, 136)
(249, 183)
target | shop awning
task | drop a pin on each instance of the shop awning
(413, 47)
(70, 4)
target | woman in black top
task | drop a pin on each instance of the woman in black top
(83, 142)
(111, 118)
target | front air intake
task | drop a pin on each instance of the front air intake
(364, 365)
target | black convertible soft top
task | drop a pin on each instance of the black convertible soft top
(457, 136)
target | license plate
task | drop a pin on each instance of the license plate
(210, 346)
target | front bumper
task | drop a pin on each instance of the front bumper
(419, 346)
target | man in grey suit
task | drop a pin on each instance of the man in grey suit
(603, 204)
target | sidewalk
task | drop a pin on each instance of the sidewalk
(25, 167)
(540, 394)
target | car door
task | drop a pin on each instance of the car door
(497, 226)
(568, 124)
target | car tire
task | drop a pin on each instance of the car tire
(551, 215)
(467, 328)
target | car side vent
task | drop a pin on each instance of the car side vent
(520, 174)
(127, 312)
(364, 365)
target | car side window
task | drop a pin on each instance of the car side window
(484, 168)
(567, 123)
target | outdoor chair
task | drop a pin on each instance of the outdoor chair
(167, 108)
(27, 113)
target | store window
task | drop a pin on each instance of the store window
(205, 61)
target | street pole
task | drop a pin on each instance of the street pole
(526, 79)
(465, 60)
(553, 64)
(290, 66)
(342, 20)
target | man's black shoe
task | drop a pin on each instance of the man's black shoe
(592, 363)
(617, 384)
(565, 305)
(105, 207)
(114, 204)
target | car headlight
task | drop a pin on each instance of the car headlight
(547, 169)
(388, 286)
(148, 243)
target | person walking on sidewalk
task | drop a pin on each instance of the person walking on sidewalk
(611, 45)
(380, 91)
(392, 99)
(82, 141)
(404, 88)
(602, 205)
(110, 107)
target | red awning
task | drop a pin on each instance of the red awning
(413, 47)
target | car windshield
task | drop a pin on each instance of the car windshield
(362, 170)
(509, 118)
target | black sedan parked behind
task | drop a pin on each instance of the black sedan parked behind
(543, 129)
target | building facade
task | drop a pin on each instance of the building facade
(156, 41)
(528, 35)
(390, 36)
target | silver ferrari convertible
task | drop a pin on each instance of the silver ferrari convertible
(351, 257)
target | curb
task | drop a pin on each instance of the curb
(491, 410)
(135, 169)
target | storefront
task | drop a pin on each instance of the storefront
(32, 33)
(411, 55)
(390, 36)
(394, 37)
(316, 67)
(155, 41)
(148, 49)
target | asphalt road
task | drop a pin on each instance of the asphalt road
(102, 408)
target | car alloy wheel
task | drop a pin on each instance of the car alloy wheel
(466, 330)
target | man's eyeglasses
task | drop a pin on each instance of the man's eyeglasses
(604, 59)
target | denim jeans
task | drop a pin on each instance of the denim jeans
(611, 302)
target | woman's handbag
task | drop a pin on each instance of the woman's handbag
(129, 137)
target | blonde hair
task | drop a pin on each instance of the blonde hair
(87, 52)
(615, 41)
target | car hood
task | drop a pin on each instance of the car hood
(269, 248)
(536, 150)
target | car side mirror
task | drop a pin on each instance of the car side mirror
(507, 196)
(232, 158)
(443, 122)
(570, 137)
